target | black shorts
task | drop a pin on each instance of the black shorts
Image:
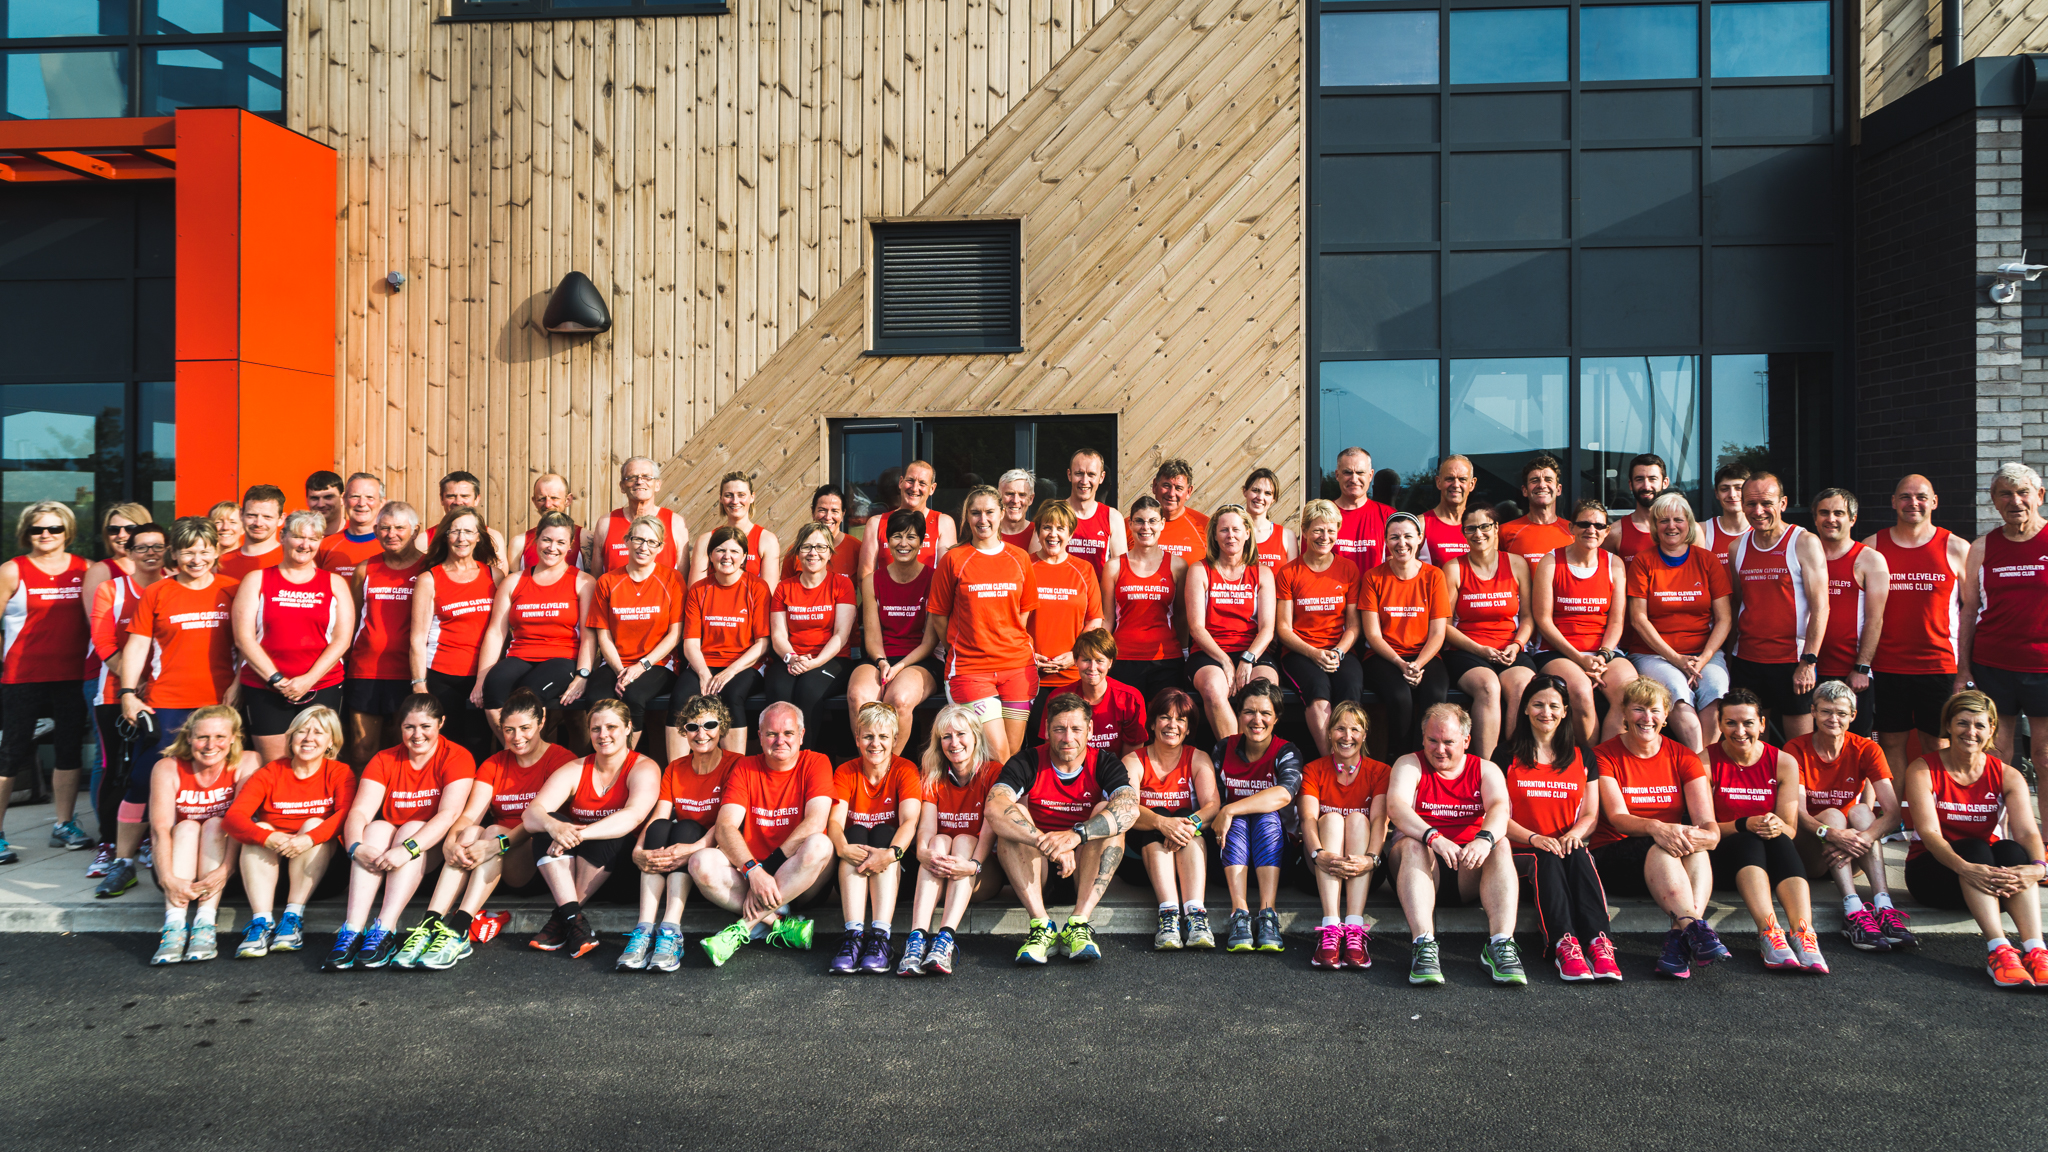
(931, 664)
(1136, 839)
(547, 679)
(2016, 693)
(1150, 677)
(1312, 684)
(270, 714)
(1620, 865)
(1772, 684)
(1198, 660)
(1907, 702)
(877, 837)
(1457, 662)
(601, 854)
(1778, 857)
(738, 690)
(374, 697)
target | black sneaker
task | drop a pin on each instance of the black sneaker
(378, 947)
(552, 935)
(580, 938)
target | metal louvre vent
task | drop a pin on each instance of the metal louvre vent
(952, 287)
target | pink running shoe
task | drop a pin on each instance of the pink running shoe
(1604, 966)
(1357, 946)
(1571, 961)
(1809, 951)
(1329, 947)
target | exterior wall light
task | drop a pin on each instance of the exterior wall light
(577, 307)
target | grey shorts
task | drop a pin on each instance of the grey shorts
(1712, 686)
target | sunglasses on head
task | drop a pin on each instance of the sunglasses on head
(701, 726)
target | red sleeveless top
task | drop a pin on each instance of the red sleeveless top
(1090, 540)
(901, 610)
(1171, 791)
(545, 621)
(1488, 608)
(1967, 811)
(297, 622)
(44, 634)
(1452, 805)
(1233, 612)
(383, 647)
(588, 805)
(1581, 606)
(197, 801)
(1144, 612)
(1742, 791)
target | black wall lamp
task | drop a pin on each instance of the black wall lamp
(576, 307)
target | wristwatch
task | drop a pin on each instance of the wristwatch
(583, 673)
(1483, 834)
(276, 678)
(1809, 658)
(1862, 669)
(1313, 853)
(643, 663)
(898, 850)
(1820, 832)
(1081, 830)
(504, 843)
(412, 846)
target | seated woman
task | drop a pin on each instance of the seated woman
(1486, 646)
(684, 812)
(190, 791)
(583, 818)
(288, 814)
(1316, 620)
(1679, 614)
(1579, 599)
(1343, 805)
(875, 805)
(488, 842)
(1404, 608)
(1757, 797)
(725, 635)
(1177, 800)
(409, 798)
(535, 638)
(1116, 711)
(1957, 797)
(952, 845)
(1839, 834)
(899, 639)
(636, 616)
(1260, 774)
(1554, 805)
(810, 625)
(1229, 601)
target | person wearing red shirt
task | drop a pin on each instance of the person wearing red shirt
(1915, 665)
(1756, 808)
(1404, 611)
(2002, 642)
(772, 853)
(1840, 833)
(1486, 644)
(1100, 534)
(1779, 575)
(451, 608)
(584, 819)
(1443, 531)
(1118, 721)
(1316, 620)
(1657, 826)
(256, 524)
(915, 485)
(1229, 601)
(354, 540)
(550, 494)
(899, 639)
(380, 660)
(1636, 532)
(1579, 597)
(1553, 806)
(1859, 587)
(983, 596)
(952, 844)
(725, 635)
(287, 816)
(113, 606)
(1069, 603)
(1343, 804)
(1017, 491)
(1680, 611)
(1718, 534)
(810, 627)
(828, 507)
(535, 638)
(323, 495)
(1185, 530)
(45, 636)
(1272, 542)
(1541, 530)
(1177, 801)
(1451, 809)
(292, 622)
(636, 619)
(460, 491)
(640, 483)
(1259, 775)
(191, 790)
(764, 549)
(1141, 597)
(876, 800)
(1361, 536)
(685, 812)
(1957, 797)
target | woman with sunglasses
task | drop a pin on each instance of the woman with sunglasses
(117, 525)
(1486, 650)
(1404, 608)
(899, 638)
(679, 827)
(1141, 591)
(810, 626)
(1579, 597)
(47, 639)
(636, 616)
(1554, 805)
(1229, 599)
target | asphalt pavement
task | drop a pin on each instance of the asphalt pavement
(515, 1048)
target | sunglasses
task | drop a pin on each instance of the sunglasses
(1589, 525)
(46, 530)
(704, 726)
(120, 529)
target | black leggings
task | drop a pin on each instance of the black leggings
(604, 685)
(1311, 683)
(1932, 884)
(466, 722)
(1778, 857)
(809, 692)
(21, 705)
(672, 834)
(548, 679)
(1569, 898)
(737, 692)
(1404, 702)
(106, 800)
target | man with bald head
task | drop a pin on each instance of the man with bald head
(1780, 575)
(1915, 664)
(770, 849)
(1362, 535)
(640, 482)
(550, 494)
(1443, 527)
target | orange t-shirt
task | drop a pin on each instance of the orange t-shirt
(342, 553)
(1069, 595)
(1544, 798)
(984, 598)
(1532, 542)
(726, 619)
(192, 654)
(775, 801)
(1320, 598)
(638, 614)
(812, 613)
(1652, 786)
(237, 565)
(1188, 537)
(694, 795)
(1837, 785)
(960, 805)
(1680, 600)
(1405, 607)
(276, 797)
(845, 559)
(414, 793)
(869, 803)
(1319, 780)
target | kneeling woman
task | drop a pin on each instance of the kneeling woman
(1554, 805)
(1343, 806)
(875, 805)
(288, 815)
(1177, 800)
(190, 791)
(409, 799)
(1757, 797)
(685, 812)
(952, 845)
(584, 817)
(1261, 774)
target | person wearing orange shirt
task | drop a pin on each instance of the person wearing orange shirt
(1343, 804)
(1316, 620)
(1017, 491)
(348, 546)
(636, 617)
(1554, 805)
(323, 495)
(1228, 595)
(190, 792)
(1185, 532)
(113, 606)
(535, 638)
(1486, 646)
(876, 802)
(256, 544)
(810, 627)
(1069, 603)
(764, 550)
(899, 639)
(451, 608)
(1404, 611)
(1540, 531)
(292, 624)
(771, 853)
(584, 819)
(1680, 609)
(380, 660)
(1579, 596)
(725, 635)
(1274, 543)
(685, 812)
(1838, 831)
(916, 484)
(828, 507)
(550, 494)
(640, 483)
(982, 597)
(1177, 802)
(952, 844)
(47, 637)
(287, 817)
(1756, 805)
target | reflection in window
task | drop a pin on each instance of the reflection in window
(1379, 48)
(201, 16)
(1639, 42)
(1742, 411)
(1629, 405)
(870, 462)
(28, 19)
(1389, 408)
(1509, 46)
(246, 76)
(156, 465)
(66, 85)
(1771, 39)
(1505, 411)
(1778, 412)
(62, 442)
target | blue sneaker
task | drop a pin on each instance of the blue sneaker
(1705, 943)
(1675, 960)
(7, 853)
(379, 945)
(290, 935)
(119, 879)
(256, 941)
(69, 836)
(343, 957)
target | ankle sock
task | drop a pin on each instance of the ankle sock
(882, 926)
(2030, 945)
(1495, 939)
(457, 922)
(1425, 938)
(205, 916)
(1170, 907)
(567, 913)
(1883, 900)
(855, 927)
(298, 910)
(1995, 943)
(1192, 907)
(1330, 921)
(174, 917)
(1852, 904)
(1355, 920)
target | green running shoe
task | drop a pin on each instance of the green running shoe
(204, 943)
(1078, 938)
(444, 948)
(416, 943)
(720, 945)
(170, 947)
(792, 932)
(1037, 943)
(1426, 967)
(1503, 962)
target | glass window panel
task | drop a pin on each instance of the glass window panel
(1639, 42)
(1742, 410)
(156, 467)
(1389, 408)
(1505, 411)
(1054, 443)
(66, 85)
(212, 76)
(966, 453)
(32, 18)
(1379, 48)
(1629, 405)
(59, 442)
(870, 464)
(1509, 46)
(201, 16)
(1774, 39)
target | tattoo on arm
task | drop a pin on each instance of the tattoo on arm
(1118, 817)
(1111, 857)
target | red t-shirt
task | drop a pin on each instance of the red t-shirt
(192, 654)
(694, 795)
(1405, 607)
(1837, 784)
(812, 612)
(1532, 541)
(274, 796)
(960, 806)
(637, 613)
(984, 598)
(413, 793)
(775, 801)
(726, 619)
(1069, 595)
(1545, 798)
(1679, 600)
(1320, 598)
(341, 553)
(1652, 786)
(513, 787)
(1117, 720)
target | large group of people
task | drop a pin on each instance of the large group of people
(448, 711)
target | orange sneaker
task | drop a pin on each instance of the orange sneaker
(2036, 961)
(2006, 970)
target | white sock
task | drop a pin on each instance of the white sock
(298, 910)
(377, 926)
(174, 917)
(1425, 938)
(1852, 904)
(1329, 921)
(1883, 900)
(1169, 907)
(1358, 921)
(204, 916)
(855, 926)
(2031, 944)
(1194, 906)
(882, 926)
(1994, 944)
(1495, 938)
(128, 860)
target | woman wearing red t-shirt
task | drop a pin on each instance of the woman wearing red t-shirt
(983, 596)
(293, 622)
(875, 803)
(1679, 613)
(1316, 620)
(1229, 599)
(1957, 797)
(1404, 609)
(1486, 645)
(536, 639)
(1579, 597)
(288, 815)
(451, 608)
(899, 638)
(1177, 800)
(190, 792)
(1554, 799)
(810, 625)
(1343, 806)
(725, 635)
(583, 820)
(692, 787)
(1141, 590)
(1838, 832)
(952, 849)
(1757, 796)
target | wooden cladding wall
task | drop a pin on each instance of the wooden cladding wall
(1158, 173)
(710, 175)
(1902, 40)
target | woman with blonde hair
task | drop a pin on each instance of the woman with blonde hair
(47, 639)
(190, 791)
(227, 524)
(952, 849)
(876, 801)
(1343, 804)
(289, 813)
(1316, 620)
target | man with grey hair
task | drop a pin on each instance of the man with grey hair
(640, 482)
(1362, 532)
(1858, 584)
(770, 851)
(2004, 636)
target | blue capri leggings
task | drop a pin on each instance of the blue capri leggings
(1253, 840)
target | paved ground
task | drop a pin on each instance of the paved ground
(514, 1048)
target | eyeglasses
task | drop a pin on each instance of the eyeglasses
(643, 542)
(815, 548)
(1470, 529)
(701, 726)
(146, 550)
(641, 479)
(46, 530)
(1590, 525)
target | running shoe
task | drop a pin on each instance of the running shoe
(1167, 939)
(2036, 961)
(119, 879)
(378, 947)
(1426, 967)
(582, 938)
(847, 961)
(1266, 931)
(1892, 923)
(485, 926)
(1776, 950)
(1357, 946)
(720, 945)
(2004, 965)
(639, 942)
(1240, 938)
(102, 861)
(1503, 961)
(290, 935)
(1675, 960)
(912, 963)
(792, 932)
(668, 949)
(256, 939)
(874, 952)
(1864, 933)
(1808, 947)
(69, 836)
(1078, 938)
(939, 960)
(343, 957)
(9, 856)
(203, 944)
(1571, 961)
(1706, 944)
(1329, 947)
(147, 857)
(170, 947)
(1604, 965)
(1200, 935)
(446, 947)
(416, 942)
(551, 937)
(1037, 943)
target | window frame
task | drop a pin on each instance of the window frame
(484, 11)
(137, 43)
